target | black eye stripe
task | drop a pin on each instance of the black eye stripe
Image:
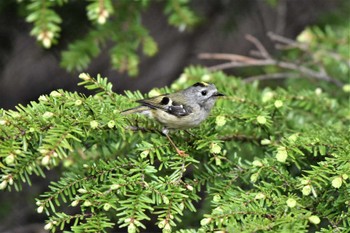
(165, 101)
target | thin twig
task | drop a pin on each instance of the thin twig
(245, 61)
(270, 77)
(284, 40)
(226, 56)
(259, 46)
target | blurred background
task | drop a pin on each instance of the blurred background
(27, 70)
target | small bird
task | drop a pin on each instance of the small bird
(180, 110)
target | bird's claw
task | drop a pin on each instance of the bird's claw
(182, 153)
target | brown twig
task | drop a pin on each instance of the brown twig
(286, 41)
(262, 50)
(271, 77)
(226, 56)
(245, 61)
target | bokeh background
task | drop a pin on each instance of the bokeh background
(28, 70)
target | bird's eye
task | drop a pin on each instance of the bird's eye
(204, 93)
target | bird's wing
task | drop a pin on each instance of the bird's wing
(164, 103)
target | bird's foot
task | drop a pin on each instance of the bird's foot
(182, 153)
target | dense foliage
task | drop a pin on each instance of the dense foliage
(264, 160)
(116, 23)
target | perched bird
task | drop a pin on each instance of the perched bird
(180, 110)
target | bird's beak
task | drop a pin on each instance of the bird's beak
(217, 94)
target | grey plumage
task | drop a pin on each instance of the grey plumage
(180, 110)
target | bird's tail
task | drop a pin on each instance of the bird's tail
(139, 109)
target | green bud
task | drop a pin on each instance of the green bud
(42, 98)
(216, 198)
(167, 228)
(162, 223)
(111, 124)
(78, 102)
(55, 94)
(87, 203)
(10, 159)
(260, 196)
(48, 115)
(220, 121)
(205, 221)
(254, 177)
(74, 203)
(165, 200)
(346, 88)
(93, 124)
(337, 182)
(306, 190)
(106, 207)
(144, 154)
(267, 96)
(293, 138)
(81, 190)
(40, 209)
(217, 161)
(318, 91)
(114, 186)
(265, 142)
(45, 160)
(206, 78)
(48, 226)
(278, 103)
(314, 219)
(153, 93)
(257, 163)
(282, 154)
(291, 202)
(84, 76)
(261, 120)
(215, 148)
(3, 184)
(132, 228)
(183, 79)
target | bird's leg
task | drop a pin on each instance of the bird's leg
(182, 153)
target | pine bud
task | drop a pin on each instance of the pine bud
(220, 121)
(40, 209)
(337, 182)
(93, 124)
(205, 221)
(106, 207)
(111, 124)
(81, 190)
(261, 120)
(84, 76)
(45, 160)
(3, 184)
(314, 219)
(282, 154)
(48, 226)
(278, 103)
(291, 202)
